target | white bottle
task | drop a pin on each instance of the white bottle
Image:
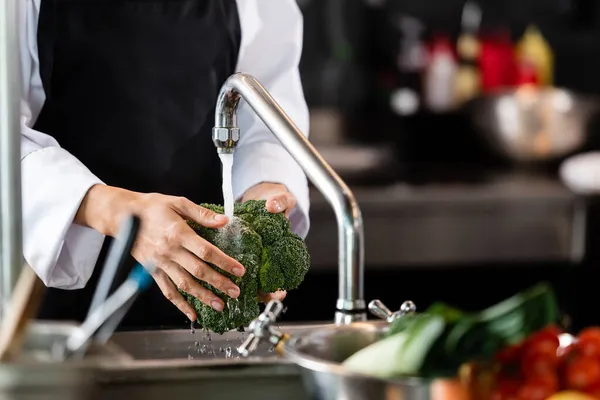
(440, 76)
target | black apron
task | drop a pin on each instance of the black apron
(131, 88)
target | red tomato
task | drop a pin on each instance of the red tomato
(539, 364)
(593, 391)
(582, 372)
(550, 379)
(544, 342)
(592, 331)
(588, 342)
(536, 390)
(567, 352)
(510, 355)
(551, 331)
(506, 389)
(500, 395)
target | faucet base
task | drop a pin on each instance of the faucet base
(349, 306)
(349, 311)
(346, 318)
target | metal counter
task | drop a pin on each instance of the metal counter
(511, 218)
(177, 363)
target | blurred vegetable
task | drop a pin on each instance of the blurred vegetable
(547, 366)
(402, 353)
(437, 342)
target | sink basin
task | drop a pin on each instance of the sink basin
(179, 363)
(196, 347)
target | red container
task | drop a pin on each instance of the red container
(497, 63)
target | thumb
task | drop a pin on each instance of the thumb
(201, 215)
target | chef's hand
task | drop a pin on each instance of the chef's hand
(165, 239)
(279, 200)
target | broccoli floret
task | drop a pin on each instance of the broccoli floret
(274, 257)
(270, 276)
(289, 250)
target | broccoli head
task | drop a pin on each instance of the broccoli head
(274, 257)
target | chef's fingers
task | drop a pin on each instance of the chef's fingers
(266, 297)
(201, 215)
(184, 281)
(170, 292)
(284, 202)
(205, 273)
(211, 254)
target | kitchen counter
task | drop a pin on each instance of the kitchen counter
(510, 217)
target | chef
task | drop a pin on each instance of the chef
(117, 110)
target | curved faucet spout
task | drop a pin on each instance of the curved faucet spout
(350, 304)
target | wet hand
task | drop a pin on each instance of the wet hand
(265, 298)
(166, 240)
(277, 196)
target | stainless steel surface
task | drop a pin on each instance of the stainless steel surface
(186, 348)
(320, 352)
(340, 197)
(378, 309)
(225, 139)
(531, 125)
(261, 329)
(534, 218)
(43, 336)
(10, 153)
(77, 342)
(36, 376)
(44, 381)
(319, 355)
(257, 382)
(183, 363)
(175, 363)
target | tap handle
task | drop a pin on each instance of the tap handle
(408, 308)
(261, 329)
(273, 309)
(249, 345)
(379, 309)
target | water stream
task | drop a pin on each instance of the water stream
(227, 162)
(204, 347)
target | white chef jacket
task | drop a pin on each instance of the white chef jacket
(54, 182)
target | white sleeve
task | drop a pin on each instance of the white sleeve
(54, 182)
(270, 51)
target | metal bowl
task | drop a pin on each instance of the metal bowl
(530, 124)
(319, 355)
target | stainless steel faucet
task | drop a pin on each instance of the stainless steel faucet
(350, 305)
(10, 150)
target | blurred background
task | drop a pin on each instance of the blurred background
(460, 126)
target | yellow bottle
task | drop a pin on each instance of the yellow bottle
(533, 48)
(468, 80)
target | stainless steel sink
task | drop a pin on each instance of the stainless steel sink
(173, 363)
(196, 347)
